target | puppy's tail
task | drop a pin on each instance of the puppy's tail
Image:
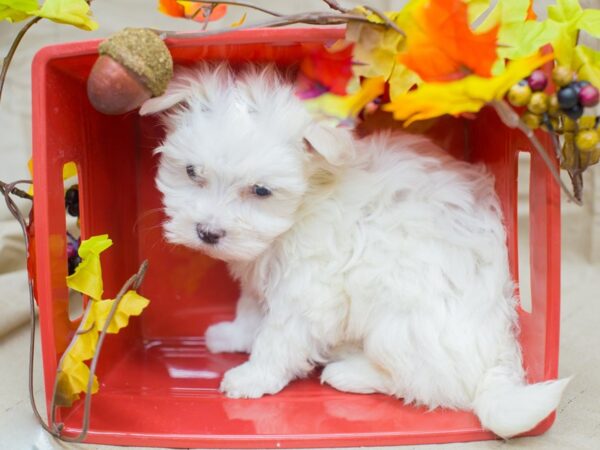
(508, 407)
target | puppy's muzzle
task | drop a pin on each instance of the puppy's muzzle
(208, 235)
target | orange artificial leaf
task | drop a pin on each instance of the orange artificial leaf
(440, 45)
(531, 15)
(190, 10)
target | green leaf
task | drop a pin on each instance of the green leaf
(16, 10)
(518, 37)
(564, 44)
(590, 22)
(523, 39)
(567, 15)
(565, 11)
(70, 12)
(587, 64)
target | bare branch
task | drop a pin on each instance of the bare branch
(385, 18)
(11, 189)
(13, 48)
(243, 4)
(333, 4)
(309, 18)
(207, 11)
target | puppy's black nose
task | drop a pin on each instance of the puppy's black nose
(209, 236)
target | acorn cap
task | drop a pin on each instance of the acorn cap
(144, 53)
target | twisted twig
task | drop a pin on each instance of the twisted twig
(134, 282)
(13, 48)
(512, 120)
(11, 189)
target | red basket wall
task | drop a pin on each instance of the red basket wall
(158, 383)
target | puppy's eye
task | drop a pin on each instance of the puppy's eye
(261, 191)
(191, 172)
(195, 176)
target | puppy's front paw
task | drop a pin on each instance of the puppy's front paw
(250, 381)
(228, 337)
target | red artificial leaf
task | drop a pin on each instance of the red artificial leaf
(327, 69)
(190, 10)
(440, 45)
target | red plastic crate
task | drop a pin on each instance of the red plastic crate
(158, 383)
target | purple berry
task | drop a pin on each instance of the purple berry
(72, 201)
(589, 95)
(567, 97)
(580, 84)
(72, 264)
(537, 81)
(574, 112)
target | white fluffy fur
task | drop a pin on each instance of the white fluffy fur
(382, 259)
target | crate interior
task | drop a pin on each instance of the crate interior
(158, 383)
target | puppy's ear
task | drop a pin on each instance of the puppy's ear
(335, 145)
(176, 93)
(183, 85)
(162, 103)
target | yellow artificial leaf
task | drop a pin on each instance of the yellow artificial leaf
(587, 64)
(240, 22)
(401, 80)
(468, 94)
(132, 304)
(69, 171)
(87, 278)
(85, 342)
(375, 48)
(70, 12)
(72, 379)
(348, 106)
(17, 10)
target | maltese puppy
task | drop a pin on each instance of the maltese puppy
(382, 259)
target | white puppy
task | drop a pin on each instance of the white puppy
(382, 259)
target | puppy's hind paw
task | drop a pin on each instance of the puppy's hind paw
(355, 374)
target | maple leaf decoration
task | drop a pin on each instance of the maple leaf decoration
(329, 70)
(190, 10)
(440, 45)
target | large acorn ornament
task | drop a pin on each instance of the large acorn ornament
(134, 65)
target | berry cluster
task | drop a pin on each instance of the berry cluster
(72, 207)
(562, 112)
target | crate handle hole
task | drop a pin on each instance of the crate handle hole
(523, 231)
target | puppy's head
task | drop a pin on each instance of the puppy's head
(238, 158)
